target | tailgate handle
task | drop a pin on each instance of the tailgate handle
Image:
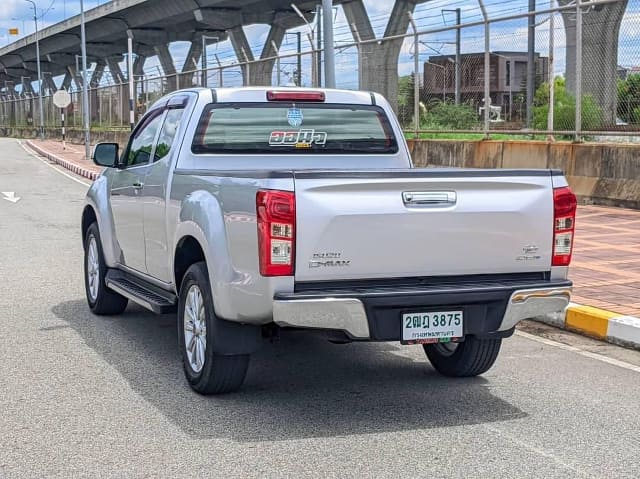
(429, 198)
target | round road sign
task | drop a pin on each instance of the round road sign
(61, 99)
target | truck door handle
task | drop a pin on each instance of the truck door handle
(429, 198)
(137, 185)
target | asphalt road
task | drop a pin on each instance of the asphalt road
(85, 396)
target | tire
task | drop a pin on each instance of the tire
(101, 299)
(469, 358)
(207, 372)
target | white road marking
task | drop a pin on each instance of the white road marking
(582, 352)
(38, 157)
(10, 196)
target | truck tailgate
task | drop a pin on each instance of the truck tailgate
(421, 222)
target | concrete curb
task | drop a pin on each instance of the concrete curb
(77, 169)
(597, 323)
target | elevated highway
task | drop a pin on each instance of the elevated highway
(154, 24)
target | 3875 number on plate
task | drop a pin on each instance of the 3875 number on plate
(432, 327)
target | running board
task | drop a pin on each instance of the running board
(141, 292)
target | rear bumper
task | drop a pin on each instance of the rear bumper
(489, 308)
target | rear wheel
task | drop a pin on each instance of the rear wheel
(206, 371)
(471, 357)
(101, 299)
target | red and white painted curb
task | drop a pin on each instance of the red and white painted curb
(69, 165)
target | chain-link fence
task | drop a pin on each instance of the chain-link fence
(569, 70)
(462, 67)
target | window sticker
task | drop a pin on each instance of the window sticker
(299, 139)
(294, 117)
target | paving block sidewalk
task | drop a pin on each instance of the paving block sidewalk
(71, 157)
(605, 267)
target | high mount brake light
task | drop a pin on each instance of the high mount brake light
(295, 95)
(276, 212)
(564, 222)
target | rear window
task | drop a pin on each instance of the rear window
(288, 128)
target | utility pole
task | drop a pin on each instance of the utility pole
(416, 69)
(458, 57)
(552, 79)
(85, 86)
(319, 43)
(204, 61)
(531, 66)
(487, 68)
(458, 66)
(40, 106)
(299, 66)
(329, 47)
(132, 99)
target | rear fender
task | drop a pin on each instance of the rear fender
(201, 217)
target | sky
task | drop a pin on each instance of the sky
(508, 35)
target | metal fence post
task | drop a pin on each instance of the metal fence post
(552, 79)
(487, 70)
(578, 136)
(416, 80)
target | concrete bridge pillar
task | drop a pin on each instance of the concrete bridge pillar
(49, 84)
(262, 72)
(138, 76)
(168, 67)
(66, 81)
(98, 73)
(378, 62)
(76, 76)
(243, 52)
(27, 87)
(115, 70)
(600, 34)
(94, 99)
(191, 62)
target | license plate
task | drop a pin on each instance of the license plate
(432, 327)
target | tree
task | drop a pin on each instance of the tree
(629, 99)
(564, 108)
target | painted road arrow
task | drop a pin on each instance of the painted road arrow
(10, 196)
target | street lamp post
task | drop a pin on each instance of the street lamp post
(40, 106)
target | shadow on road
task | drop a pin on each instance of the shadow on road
(299, 387)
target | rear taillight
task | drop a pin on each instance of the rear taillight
(564, 222)
(276, 232)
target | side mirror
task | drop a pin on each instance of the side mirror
(106, 154)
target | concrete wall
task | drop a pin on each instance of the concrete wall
(599, 173)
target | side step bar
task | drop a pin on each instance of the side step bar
(141, 292)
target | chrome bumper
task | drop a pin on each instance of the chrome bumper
(530, 303)
(349, 315)
(342, 314)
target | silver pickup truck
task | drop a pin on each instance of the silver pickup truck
(254, 209)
